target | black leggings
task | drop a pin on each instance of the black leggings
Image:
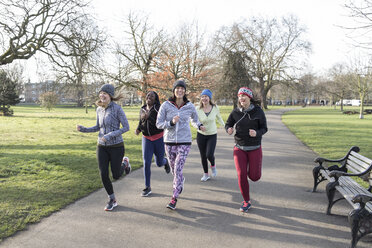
(113, 155)
(207, 145)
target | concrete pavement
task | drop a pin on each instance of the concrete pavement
(284, 214)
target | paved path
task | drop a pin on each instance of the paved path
(285, 213)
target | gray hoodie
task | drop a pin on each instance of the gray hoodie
(180, 132)
(108, 124)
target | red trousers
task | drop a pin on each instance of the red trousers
(248, 164)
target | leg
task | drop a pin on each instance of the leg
(211, 147)
(182, 152)
(103, 164)
(116, 157)
(159, 152)
(241, 165)
(171, 152)
(255, 164)
(202, 145)
(147, 154)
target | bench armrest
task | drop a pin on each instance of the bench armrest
(362, 199)
(336, 174)
(321, 160)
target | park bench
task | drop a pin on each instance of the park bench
(341, 175)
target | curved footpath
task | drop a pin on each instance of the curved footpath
(284, 214)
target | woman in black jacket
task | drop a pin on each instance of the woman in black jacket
(152, 140)
(250, 124)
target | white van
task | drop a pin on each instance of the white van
(355, 102)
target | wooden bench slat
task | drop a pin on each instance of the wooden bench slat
(358, 163)
(361, 157)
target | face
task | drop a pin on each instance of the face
(204, 99)
(104, 97)
(244, 100)
(150, 98)
(179, 92)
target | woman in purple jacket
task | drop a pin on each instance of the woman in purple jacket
(110, 144)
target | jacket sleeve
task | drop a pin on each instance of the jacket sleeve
(262, 124)
(219, 118)
(91, 129)
(161, 121)
(194, 117)
(124, 122)
(230, 121)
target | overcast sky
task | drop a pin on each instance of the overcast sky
(321, 17)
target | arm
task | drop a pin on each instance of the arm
(124, 122)
(229, 125)
(262, 125)
(195, 119)
(219, 118)
(161, 121)
(90, 129)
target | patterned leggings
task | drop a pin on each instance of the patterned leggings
(177, 157)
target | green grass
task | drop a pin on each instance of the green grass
(46, 164)
(330, 133)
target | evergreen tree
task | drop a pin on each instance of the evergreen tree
(8, 94)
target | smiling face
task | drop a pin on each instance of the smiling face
(150, 98)
(244, 100)
(179, 92)
(104, 97)
(205, 99)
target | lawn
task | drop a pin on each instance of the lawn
(46, 164)
(330, 133)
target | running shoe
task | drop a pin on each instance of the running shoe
(214, 171)
(146, 191)
(172, 204)
(205, 177)
(246, 205)
(167, 167)
(111, 204)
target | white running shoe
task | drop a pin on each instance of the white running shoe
(214, 171)
(205, 177)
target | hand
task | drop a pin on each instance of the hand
(175, 119)
(230, 130)
(252, 133)
(137, 131)
(202, 128)
(78, 127)
(103, 139)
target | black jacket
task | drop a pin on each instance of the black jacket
(244, 120)
(148, 126)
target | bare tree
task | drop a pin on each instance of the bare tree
(339, 83)
(142, 44)
(275, 48)
(186, 55)
(29, 26)
(83, 50)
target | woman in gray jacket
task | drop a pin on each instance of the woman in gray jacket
(110, 144)
(174, 117)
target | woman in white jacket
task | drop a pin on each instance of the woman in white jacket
(174, 117)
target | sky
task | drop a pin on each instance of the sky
(322, 18)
